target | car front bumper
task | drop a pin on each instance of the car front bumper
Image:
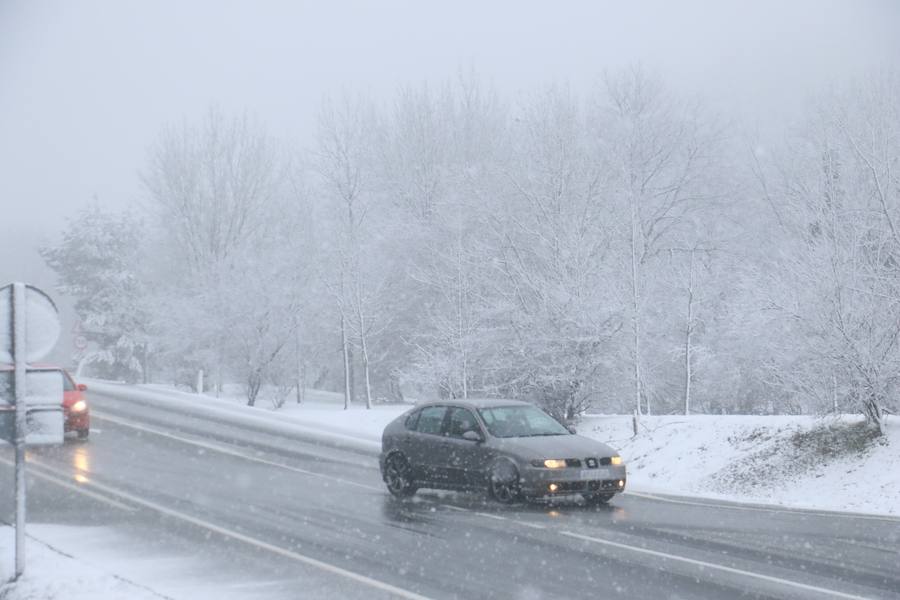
(77, 421)
(555, 482)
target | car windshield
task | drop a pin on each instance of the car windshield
(520, 421)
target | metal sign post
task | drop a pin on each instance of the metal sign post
(29, 328)
(19, 343)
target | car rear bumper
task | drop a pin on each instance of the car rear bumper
(555, 482)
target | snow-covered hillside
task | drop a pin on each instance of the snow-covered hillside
(824, 463)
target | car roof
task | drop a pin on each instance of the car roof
(476, 402)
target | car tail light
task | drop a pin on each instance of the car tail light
(79, 406)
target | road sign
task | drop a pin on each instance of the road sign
(42, 324)
(29, 328)
(43, 400)
(43, 425)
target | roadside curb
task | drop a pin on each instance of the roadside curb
(712, 501)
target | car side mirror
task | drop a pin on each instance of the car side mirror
(472, 436)
(571, 429)
(81, 387)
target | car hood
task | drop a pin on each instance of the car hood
(553, 446)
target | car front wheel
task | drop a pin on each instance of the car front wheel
(397, 476)
(504, 486)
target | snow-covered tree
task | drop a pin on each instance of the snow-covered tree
(835, 281)
(553, 237)
(661, 153)
(215, 194)
(439, 171)
(343, 161)
(98, 264)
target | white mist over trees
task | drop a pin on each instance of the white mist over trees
(618, 249)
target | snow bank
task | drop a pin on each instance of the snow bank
(320, 409)
(324, 423)
(804, 462)
(52, 574)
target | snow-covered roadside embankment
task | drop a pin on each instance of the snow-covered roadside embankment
(797, 461)
(348, 430)
(51, 574)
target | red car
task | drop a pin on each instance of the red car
(75, 407)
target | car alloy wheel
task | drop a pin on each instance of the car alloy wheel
(397, 477)
(504, 483)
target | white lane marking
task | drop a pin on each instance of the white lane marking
(675, 557)
(230, 452)
(786, 510)
(328, 567)
(70, 486)
(260, 584)
(714, 566)
(490, 516)
(532, 525)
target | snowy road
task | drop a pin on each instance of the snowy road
(273, 517)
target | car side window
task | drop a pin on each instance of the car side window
(410, 422)
(430, 419)
(461, 420)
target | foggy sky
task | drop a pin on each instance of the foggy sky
(86, 85)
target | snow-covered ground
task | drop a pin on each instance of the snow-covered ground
(104, 563)
(54, 572)
(798, 461)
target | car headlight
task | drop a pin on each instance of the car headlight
(79, 406)
(550, 463)
(615, 460)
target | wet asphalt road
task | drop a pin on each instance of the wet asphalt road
(272, 517)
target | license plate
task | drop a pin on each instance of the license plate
(591, 474)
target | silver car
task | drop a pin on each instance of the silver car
(510, 449)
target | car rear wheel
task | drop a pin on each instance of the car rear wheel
(397, 476)
(597, 499)
(504, 486)
(83, 434)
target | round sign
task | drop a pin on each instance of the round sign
(41, 324)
